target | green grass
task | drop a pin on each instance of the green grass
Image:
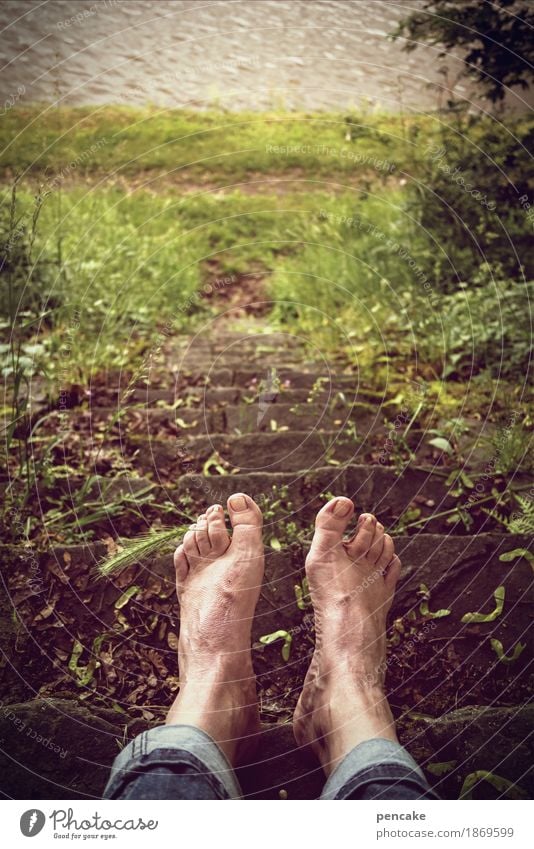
(112, 269)
(72, 142)
(350, 269)
(344, 252)
(79, 140)
(361, 285)
(359, 276)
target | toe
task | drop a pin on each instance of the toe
(330, 524)
(202, 536)
(377, 544)
(393, 574)
(190, 547)
(245, 516)
(219, 539)
(180, 564)
(362, 540)
(388, 551)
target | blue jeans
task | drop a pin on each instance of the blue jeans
(183, 762)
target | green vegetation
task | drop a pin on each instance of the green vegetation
(112, 141)
(397, 244)
(103, 271)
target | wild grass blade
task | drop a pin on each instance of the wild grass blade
(139, 549)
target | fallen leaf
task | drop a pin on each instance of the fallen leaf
(172, 641)
(123, 600)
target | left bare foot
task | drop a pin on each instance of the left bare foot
(218, 580)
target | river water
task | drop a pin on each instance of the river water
(241, 54)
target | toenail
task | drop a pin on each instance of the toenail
(342, 508)
(238, 503)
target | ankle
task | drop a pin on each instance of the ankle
(355, 717)
(225, 712)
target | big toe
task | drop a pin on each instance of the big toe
(246, 518)
(331, 523)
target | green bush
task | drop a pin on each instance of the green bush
(466, 196)
(486, 326)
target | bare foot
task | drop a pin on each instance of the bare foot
(218, 582)
(351, 584)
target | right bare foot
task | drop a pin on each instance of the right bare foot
(351, 584)
(218, 582)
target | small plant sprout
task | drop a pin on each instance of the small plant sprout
(499, 594)
(183, 425)
(521, 521)
(267, 639)
(85, 674)
(213, 462)
(459, 481)
(498, 648)
(302, 594)
(423, 607)
(508, 556)
(442, 445)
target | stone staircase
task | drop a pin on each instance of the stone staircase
(91, 662)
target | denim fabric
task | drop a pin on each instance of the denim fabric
(377, 769)
(172, 762)
(183, 762)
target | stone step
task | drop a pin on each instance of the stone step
(241, 418)
(307, 416)
(207, 361)
(378, 433)
(248, 382)
(298, 494)
(82, 742)
(469, 740)
(215, 341)
(251, 453)
(375, 489)
(417, 497)
(165, 458)
(244, 340)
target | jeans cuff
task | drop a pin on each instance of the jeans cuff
(365, 761)
(180, 742)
